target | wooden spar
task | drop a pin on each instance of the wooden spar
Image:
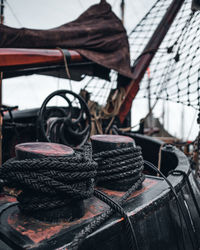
(144, 61)
(11, 57)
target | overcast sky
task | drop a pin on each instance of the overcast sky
(44, 14)
(50, 13)
(30, 92)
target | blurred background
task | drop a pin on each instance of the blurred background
(30, 91)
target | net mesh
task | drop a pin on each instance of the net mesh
(174, 70)
(100, 89)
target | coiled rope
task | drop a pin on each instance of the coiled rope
(119, 168)
(51, 183)
(80, 237)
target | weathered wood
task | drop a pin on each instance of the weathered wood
(25, 58)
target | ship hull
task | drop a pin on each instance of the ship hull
(159, 220)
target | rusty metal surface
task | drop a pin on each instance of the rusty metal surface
(6, 199)
(34, 232)
(112, 138)
(110, 142)
(24, 150)
(152, 210)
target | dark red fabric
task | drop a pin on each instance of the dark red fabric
(97, 34)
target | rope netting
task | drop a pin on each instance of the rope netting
(174, 70)
(99, 89)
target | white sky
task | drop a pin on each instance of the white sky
(30, 91)
(45, 14)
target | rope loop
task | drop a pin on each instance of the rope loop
(51, 182)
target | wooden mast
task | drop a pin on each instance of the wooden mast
(1, 81)
(145, 59)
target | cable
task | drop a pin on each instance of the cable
(180, 172)
(192, 125)
(179, 205)
(119, 169)
(114, 205)
(80, 237)
(13, 13)
(81, 4)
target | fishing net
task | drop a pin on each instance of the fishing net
(174, 72)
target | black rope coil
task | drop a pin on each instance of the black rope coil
(53, 188)
(119, 168)
(56, 185)
(97, 222)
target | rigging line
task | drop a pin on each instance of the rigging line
(154, 5)
(13, 13)
(179, 204)
(81, 4)
(192, 125)
(181, 172)
(88, 82)
(115, 205)
(70, 84)
(169, 68)
(114, 3)
(58, 86)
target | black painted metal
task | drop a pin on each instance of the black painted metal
(109, 142)
(153, 212)
(68, 128)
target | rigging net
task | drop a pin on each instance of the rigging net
(174, 70)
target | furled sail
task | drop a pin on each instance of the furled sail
(97, 34)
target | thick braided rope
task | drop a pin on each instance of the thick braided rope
(80, 237)
(50, 182)
(130, 233)
(119, 168)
